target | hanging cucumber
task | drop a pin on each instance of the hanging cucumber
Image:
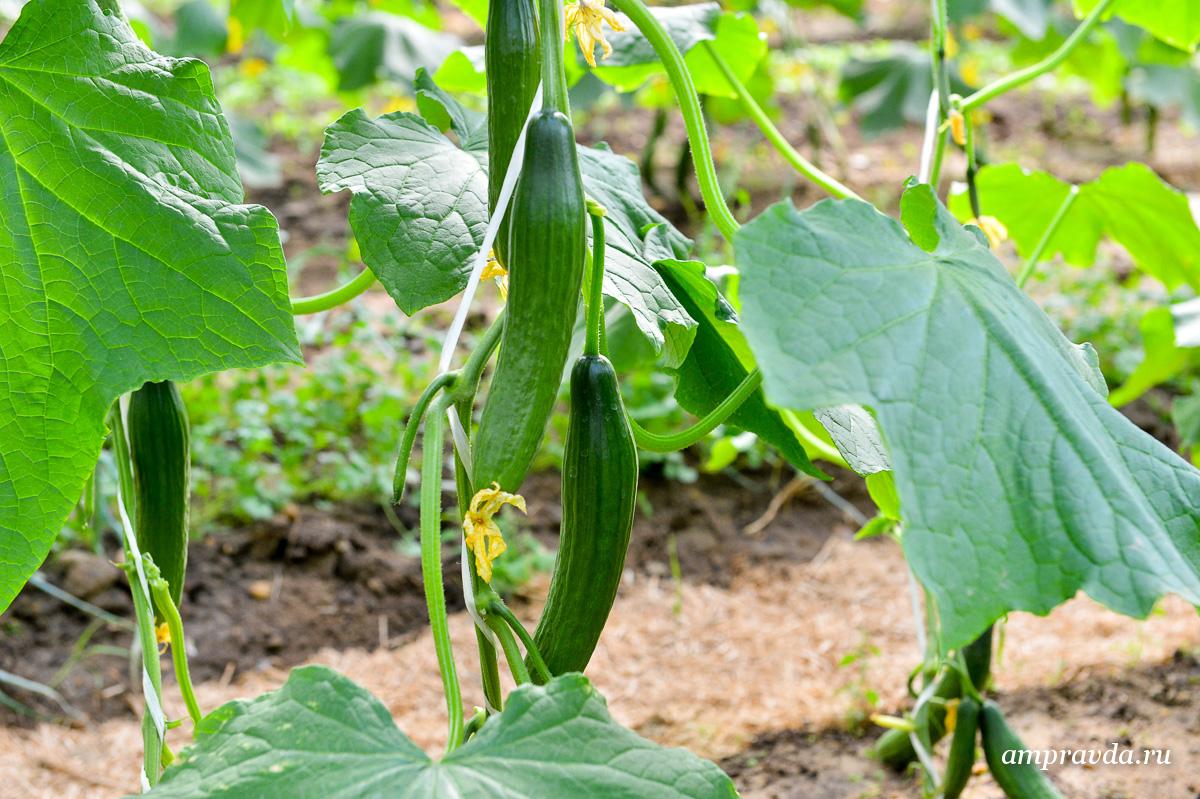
(547, 247)
(599, 489)
(512, 61)
(158, 442)
(1020, 778)
(961, 758)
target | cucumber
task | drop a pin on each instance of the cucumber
(1018, 780)
(547, 247)
(159, 452)
(599, 491)
(961, 758)
(513, 62)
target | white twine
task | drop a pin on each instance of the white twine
(450, 343)
(153, 704)
(932, 114)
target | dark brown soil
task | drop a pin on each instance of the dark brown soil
(273, 594)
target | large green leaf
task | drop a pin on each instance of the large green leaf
(1169, 348)
(322, 736)
(891, 91)
(720, 359)
(1176, 22)
(380, 46)
(734, 35)
(125, 254)
(636, 236)
(419, 206)
(1030, 17)
(419, 212)
(1019, 483)
(1129, 204)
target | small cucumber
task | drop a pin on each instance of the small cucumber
(961, 758)
(159, 451)
(1019, 778)
(599, 491)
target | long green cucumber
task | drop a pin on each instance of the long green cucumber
(513, 62)
(1019, 777)
(159, 451)
(547, 247)
(961, 758)
(599, 491)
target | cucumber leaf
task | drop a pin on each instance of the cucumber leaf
(734, 35)
(1176, 22)
(322, 736)
(1019, 484)
(376, 46)
(1169, 348)
(419, 205)
(891, 91)
(720, 359)
(126, 253)
(1129, 204)
(419, 211)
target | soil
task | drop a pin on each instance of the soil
(271, 595)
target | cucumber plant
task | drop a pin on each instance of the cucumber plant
(131, 261)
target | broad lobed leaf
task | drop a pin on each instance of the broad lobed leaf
(1129, 204)
(1019, 483)
(322, 736)
(125, 252)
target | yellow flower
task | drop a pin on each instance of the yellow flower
(235, 39)
(252, 67)
(587, 18)
(951, 715)
(993, 228)
(483, 535)
(958, 127)
(162, 633)
(495, 270)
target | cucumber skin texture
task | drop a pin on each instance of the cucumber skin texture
(159, 450)
(961, 758)
(547, 246)
(1018, 781)
(510, 52)
(599, 494)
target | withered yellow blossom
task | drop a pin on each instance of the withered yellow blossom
(483, 537)
(587, 18)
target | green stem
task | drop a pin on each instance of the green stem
(331, 299)
(1038, 251)
(502, 610)
(431, 568)
(554, 75)
(939, 157)
(689, 105)
(801, 164)
(595, 295)
(166, 608)
(445, 380)
(464, 398)
(153, 744)
(489, 667)
(512, 653)
(941, 72)
(1023, 76)
(653, 442)
(972, 166)
(472, 370)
